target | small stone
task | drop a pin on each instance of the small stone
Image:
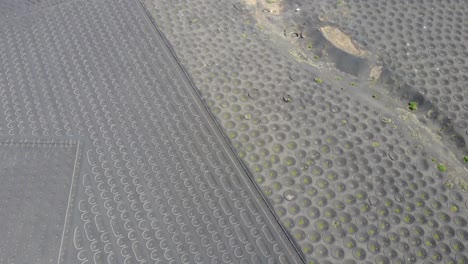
(289, 195)
(334, 109)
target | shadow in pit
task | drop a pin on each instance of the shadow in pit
(316, 45)
(405, 92)
(360, 67)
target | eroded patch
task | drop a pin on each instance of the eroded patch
(456, 172)
(268, 6)
(342, 41)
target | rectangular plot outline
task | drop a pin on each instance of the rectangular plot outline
(54, 143)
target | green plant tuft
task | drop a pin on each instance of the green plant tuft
(413, 105)
(441, 167)
(318, 80)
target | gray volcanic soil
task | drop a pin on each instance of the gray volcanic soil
(108, 154)
(322, 121)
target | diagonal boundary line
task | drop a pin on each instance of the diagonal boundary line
(211, 117)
